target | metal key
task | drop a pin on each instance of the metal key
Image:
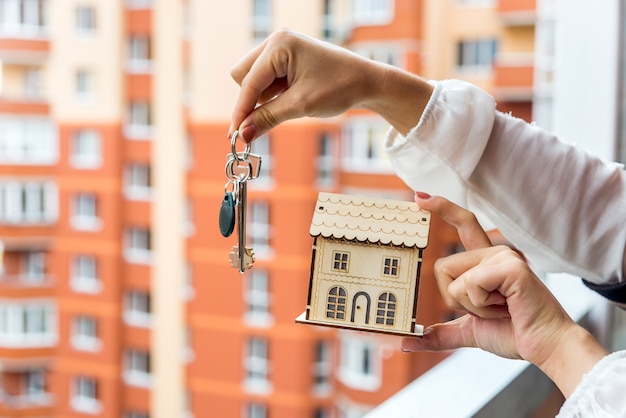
(241, 167)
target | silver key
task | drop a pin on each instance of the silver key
(248, 258)
(245, 260)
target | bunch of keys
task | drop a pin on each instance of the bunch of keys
(240, 167)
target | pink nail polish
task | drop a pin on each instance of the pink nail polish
(422, 195)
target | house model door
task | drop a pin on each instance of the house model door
(361, 305)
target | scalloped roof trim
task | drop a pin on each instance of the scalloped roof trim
(367, 219)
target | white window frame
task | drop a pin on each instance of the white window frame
(24, 19)
(28, 323)
(256, 366)
(85, 20)
(139, 56)
(363, 147)
(27, 202)
(86, 149)
(28, 140)
(84, 87)
(257, 298)
(372, 12)
(84, 395)
(137, 368)
(85, 212)
(139, 4)
(326, 161)
(356, 353)
(33, 269)
(137, 308)
(322, 368)
(33, 83)
(476, 56)
(138, 181)
(84, 330)
(259, 228)
(139, 121)
(255, 410)
(261, 20)
(84, 274)
(138, 245)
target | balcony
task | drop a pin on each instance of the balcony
(23, 31)
(517, 12)
(513, 78)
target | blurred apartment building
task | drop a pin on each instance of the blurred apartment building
(116, 294)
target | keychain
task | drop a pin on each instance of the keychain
(240, 167)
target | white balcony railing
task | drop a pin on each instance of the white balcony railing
(474, 383)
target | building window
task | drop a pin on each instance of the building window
(28, 140)
(86, 149)
(85, 20)
(35, 385)
(23, 18)
(256, 410)
(135, 414)
(325, 160)
(33, 85)
(137, 309)
(386, 312)
(336, 306)
(139, 4)
(391, 266)
(137, 368)
(259, 228)
(27, 325)
(257, 298)
(84, 395)
(27, 202)
(256, 366)
(84, 87)
(476, 55)
(84, 274)
(33, 266)
(261, 20)
(372, 12)
(85, 333)
(341, 261)
(138, 181)
(359, 366)
(85, 212)
(139, 123)
(362, 148)
(322, 368)
(262, 147)
(137, 245)
(139, 54)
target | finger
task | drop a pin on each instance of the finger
(470, 232)
(444, 336)
(448, 269)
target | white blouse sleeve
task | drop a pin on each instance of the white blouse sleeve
(564, 208)
(601, 391)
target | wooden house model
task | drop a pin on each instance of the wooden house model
(365, 265)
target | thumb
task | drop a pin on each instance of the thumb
(440, 337)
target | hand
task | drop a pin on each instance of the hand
(510, 312)
(291, 75)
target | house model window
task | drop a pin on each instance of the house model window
(365, 264)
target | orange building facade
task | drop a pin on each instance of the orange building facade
(83, 167)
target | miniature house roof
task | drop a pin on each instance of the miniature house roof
(370, 219)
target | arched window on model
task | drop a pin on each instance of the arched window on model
(336, 306)
(386, 310)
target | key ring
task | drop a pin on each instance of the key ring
(229, 170)
(233, 143)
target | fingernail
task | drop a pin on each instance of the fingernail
(422, 195)
(249, 132)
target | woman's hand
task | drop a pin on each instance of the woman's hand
(510, 312)
(291, 75)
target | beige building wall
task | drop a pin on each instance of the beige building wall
(101, 54)
(440, 40)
